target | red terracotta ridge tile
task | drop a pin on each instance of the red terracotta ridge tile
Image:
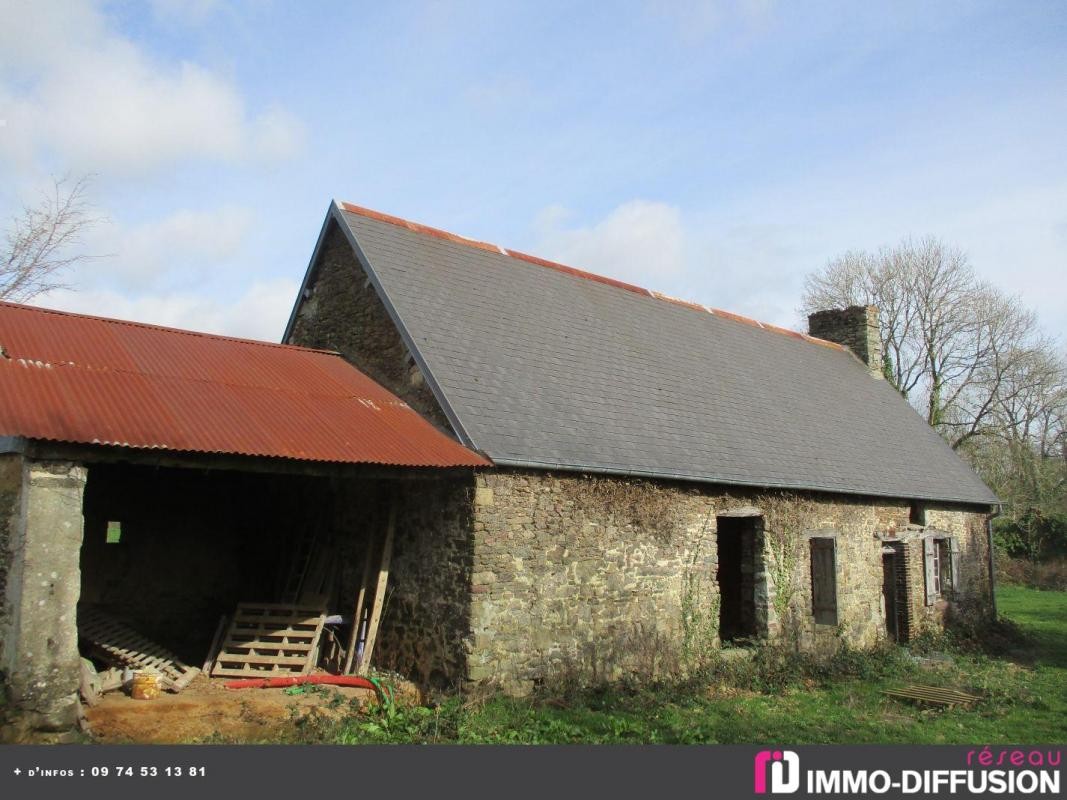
(417, 227)
(823, 342)
(579, 273)
(736, 317)
(679, 302)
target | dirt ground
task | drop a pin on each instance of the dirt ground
(207, 711)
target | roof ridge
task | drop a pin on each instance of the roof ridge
(418, 227)
(167, 328)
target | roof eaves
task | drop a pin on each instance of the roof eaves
(710, 479)
(337, 212)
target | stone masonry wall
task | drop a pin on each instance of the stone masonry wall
(425, 625)
(10, 517)
(856, 327)
(571, 575)
(342, 312)
(40, 653)
(970, 532)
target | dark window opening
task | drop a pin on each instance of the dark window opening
(823, 580)
(736, 539)
(917, 514)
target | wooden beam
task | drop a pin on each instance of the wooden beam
(216, 643)
(150, 457)
(357, 613)
(379, 589)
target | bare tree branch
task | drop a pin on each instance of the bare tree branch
(969, 357)
(43, 240)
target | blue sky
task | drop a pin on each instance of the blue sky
(715, 151)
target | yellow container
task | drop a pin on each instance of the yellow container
(145, 686)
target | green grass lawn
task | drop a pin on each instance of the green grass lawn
(1024, 691)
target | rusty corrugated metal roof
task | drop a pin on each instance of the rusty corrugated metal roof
(74, 378)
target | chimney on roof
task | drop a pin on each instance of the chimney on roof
(856, 327)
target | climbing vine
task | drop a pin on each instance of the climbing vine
(642, 504)
(700, 609)
(786, 516)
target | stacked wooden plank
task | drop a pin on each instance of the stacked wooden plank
(118, 643)
(367, 618)
(270, 639)
(933, 695)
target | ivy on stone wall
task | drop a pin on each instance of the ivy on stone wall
(786, 516)
(700, 609)
(642, 504)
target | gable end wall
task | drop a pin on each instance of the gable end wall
(342, 312)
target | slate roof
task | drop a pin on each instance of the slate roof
(541, 365)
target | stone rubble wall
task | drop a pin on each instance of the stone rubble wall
(342, 312)
(971, 533)
(11, 475)
(563, 582)
(11, 493)
(855, 327)
(40, 649)
(425, 626)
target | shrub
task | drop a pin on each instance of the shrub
(773, 667)
(1050, 574)
(1033, 535)
(973, 633)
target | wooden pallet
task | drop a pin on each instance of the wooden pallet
(933, 695)
(115, 641)
(270, 638)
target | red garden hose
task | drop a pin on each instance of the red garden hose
(297, 680)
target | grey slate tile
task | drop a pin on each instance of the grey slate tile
(545, 367)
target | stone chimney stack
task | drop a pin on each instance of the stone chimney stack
(856, 327)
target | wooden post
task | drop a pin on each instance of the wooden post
(379, 590)
(216, 642)
(357, 614)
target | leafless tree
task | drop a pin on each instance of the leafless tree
(949, 339)
(43, 241)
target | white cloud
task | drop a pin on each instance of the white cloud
(185, 243)
(638, 241)
(259, 313)
(176, 271)
(73, 87)
(742, 267)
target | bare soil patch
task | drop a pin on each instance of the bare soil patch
(207, 711)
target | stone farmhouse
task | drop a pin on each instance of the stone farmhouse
(664, 474)
(554, 473)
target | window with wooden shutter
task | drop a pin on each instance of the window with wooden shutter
(932, 569)
(941, 563)
(824, 580)
(949, 560)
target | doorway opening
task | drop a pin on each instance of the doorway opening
(894, 592)
(737, 539)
